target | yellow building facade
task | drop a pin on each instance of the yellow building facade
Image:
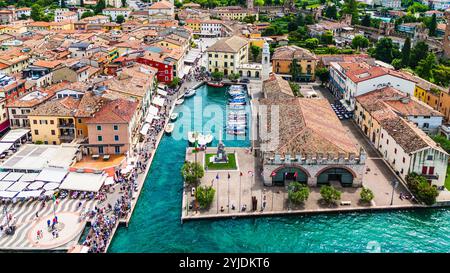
(55, 129)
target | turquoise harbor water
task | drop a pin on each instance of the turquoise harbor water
(156, 226)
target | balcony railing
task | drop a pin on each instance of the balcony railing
(66, 125)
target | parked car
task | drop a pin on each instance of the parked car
(245, 80)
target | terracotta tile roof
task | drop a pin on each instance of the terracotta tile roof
(114, 111)
(276, 87)
(293, 52)
(161, 5)
(37, 97)
(231, 44)
(408, 136)
(65, 107)
(359, 72)
(399, 102)
(47, 64)
(306, 126)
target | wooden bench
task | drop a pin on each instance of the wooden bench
(346, 203)
(95, 157)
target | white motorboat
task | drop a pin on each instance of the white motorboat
(173, 116)
(189, 93)
(169, 128)
(236, 106)
(200, 138)
(179, 101)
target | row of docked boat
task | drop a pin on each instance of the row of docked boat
(237, 117)
(189, 93)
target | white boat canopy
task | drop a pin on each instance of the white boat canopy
(3, 174)
(26, 194)
(145, 128)
(83, 182)
(153, 111)
(36, 185)
(109, 180)
(28, 177)
(14, 135)
(51, 186)
(5, 146)
(159, 101)
(162, 92)
(18, 186)
(52, 175)
(8, 194)
(13, 176)
(4, 185)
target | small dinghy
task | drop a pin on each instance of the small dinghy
(169, 128)
(173, 116)
(189, 93)
(179, 101)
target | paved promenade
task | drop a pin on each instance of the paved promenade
(25, 236)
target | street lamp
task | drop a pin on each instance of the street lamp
(394, 185)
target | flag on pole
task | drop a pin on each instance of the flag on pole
(195, 146)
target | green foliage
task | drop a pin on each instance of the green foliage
(204, 195)
(443, 141)
(255, 50)
(441, 75)
(87, 14)
(417, 7)
(249, 19)
(329, 194)
(422, 190)
(327, 38)
(397, 63)
(351, 7)
(433, 26)
(331, 12)
(366, 195)
(192, 172)
(365, 21)
(406, 52)
(101, 4)
(175, 82)
(418, 53)
(311, 43)
(425, 67)
(384, 50)
(37, 12)
(296, 70)
(234, 76)
(297, 192)
(120, 19)
(323, 74)
(359, 41)
(295, 89)
(217, 75)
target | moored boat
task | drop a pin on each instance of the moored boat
(179, 101)
(169, 128)
(215, 84)
(173, 116)
(189, 93)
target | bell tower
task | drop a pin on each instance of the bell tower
(250, 5)
(266, 65)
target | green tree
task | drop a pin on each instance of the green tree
(120, 19)
(397, 63)
(425, 66)
(234, 76)
(331, 12)
(297, 192)
(406, 52)
(204, 195)
(433, 25)
(366, 195)
(296, 70)
(359, 41)
(365, 21)
(329, 194)
(87, 14)
(250, 19)
(175, 82)
(417, 7)
(311, 43)
(192, 172)
(37, 13)
(422, 190)
(441, 75)
(323, 74)
(351, 7)
(292, 26)
(99, 6)
(300, 20)
(384, 50)
(418, 53)
(255, 50)
(217, 75)
(309, 19)
(327, 38)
